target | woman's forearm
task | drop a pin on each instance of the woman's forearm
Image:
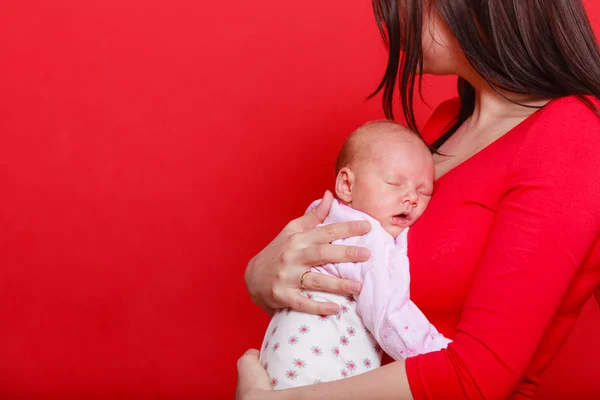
(387, 382)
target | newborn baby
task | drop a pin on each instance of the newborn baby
(385, 175)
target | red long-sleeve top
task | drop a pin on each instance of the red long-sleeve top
(507, 253)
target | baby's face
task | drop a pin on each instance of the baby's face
(394, 184)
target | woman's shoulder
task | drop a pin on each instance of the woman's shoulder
(562, 116)
(563, 124)
(565, 108)
(558, 147)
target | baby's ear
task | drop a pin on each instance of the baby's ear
(344, 184)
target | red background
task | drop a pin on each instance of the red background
(148, 149)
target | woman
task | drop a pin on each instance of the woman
(506, 254)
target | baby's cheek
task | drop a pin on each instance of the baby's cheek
(419, 213)
(370, 203)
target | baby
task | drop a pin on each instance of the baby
(385, 175)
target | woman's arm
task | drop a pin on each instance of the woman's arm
(387, 382)
(273, 275)
(547, 221)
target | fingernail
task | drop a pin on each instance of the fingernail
(363, 253)
(355, 287)
(364, 225)
(332, 309)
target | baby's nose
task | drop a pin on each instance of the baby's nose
(411, 198)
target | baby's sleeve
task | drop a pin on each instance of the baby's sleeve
(384, 304)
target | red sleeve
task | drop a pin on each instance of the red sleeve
(546, 222)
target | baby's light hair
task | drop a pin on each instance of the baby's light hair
(353, 146)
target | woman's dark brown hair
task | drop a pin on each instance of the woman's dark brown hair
(540, 47)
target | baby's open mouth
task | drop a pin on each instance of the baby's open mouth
(401, 219)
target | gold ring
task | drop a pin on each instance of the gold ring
(302, 279)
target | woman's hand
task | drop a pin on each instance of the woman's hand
(273, 275)
(253, 382)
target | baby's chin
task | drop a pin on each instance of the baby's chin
(394, 230)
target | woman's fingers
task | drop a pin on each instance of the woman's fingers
(273, 275)
(249, 355)
(252, 377)
(330, 284)
(329, 253)
(305, 305)
(321, 211)
(315, 216)
(332, 232)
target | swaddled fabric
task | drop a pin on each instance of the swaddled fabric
(301, 349)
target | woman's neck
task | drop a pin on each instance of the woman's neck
(492, 104)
